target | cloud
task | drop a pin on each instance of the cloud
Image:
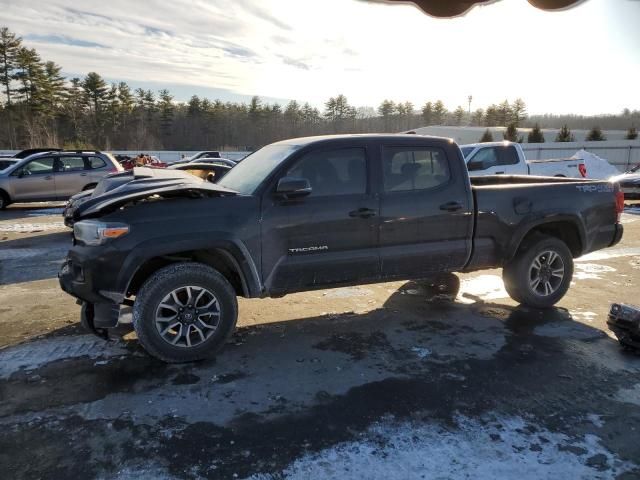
(62, 40)
(295, 63)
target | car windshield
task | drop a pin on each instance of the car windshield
(4, 164)
(248, 174)
(466, 151)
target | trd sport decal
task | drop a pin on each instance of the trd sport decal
(308, 249)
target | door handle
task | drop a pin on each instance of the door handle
(499, 173)
(363, 213)
(83, 174)
(451, 206)
(48, 177)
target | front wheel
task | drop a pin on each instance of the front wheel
(540, 274)
(185, 312)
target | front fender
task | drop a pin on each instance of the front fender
(170, 245)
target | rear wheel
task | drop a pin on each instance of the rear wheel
(4, 200)
(541, 272)
(185, 312)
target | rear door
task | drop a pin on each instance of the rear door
(35, 180)
(328, 237)
(71, 175)
(426, 216)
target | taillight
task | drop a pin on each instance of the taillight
(619, 201)
(582, 168)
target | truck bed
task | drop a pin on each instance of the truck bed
(507, 207)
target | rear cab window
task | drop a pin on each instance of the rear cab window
(414, 168)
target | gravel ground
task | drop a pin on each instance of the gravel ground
(362, 382)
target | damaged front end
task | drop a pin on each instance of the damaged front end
(624, 321)
(101, 247)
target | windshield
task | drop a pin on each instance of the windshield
(248, 174)
(466, 151)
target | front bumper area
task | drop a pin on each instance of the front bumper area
(98, 312)
(624, 321)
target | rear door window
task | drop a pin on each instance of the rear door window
(414, 168)
(70, 164)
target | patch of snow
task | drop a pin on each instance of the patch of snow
(595, 419)
(592, 271)
(597, 167)
(35, 354)
(629, 395)
(31, 227)
(487, 287)
(608, 253)
(422, 352)
(503, 448)
(348, 292)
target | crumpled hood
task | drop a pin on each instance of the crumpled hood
(141, 183)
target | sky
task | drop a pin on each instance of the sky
(584, 60)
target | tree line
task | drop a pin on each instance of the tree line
(39, 107)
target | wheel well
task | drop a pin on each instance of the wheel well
(215, 258)
(565, 231)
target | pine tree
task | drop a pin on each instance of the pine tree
(511, 133)
(9, 47)
(595, 135)
(458, 114)
(478, 117)
(427, 113)
(565, 135)
(632, 133)
(504, 113)
(386, 110)
(439, 113)
(486, 136)
(535, 135)
(491, 118)
(518, 112)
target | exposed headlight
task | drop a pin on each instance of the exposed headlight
(93, 232)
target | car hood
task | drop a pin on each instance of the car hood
(143, 183)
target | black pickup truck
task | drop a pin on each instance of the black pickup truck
(321, 212)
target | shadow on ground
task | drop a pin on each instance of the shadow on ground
(76, 408)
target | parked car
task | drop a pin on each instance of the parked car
(55, 175)
(7, 162)
(630, 183)
(197, 156)
(216, 161)
(507, 158)
(322, 212)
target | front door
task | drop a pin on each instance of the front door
(328, 237)
(35, 181)
(426, 214)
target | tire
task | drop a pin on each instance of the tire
(4, 200)
(521, 273)
(186, 280)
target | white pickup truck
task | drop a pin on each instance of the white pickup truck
(507, 158)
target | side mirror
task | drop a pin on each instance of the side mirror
(293, 187)
(20, 173)
(475, 165)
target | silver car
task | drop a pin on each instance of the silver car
(51, 176)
